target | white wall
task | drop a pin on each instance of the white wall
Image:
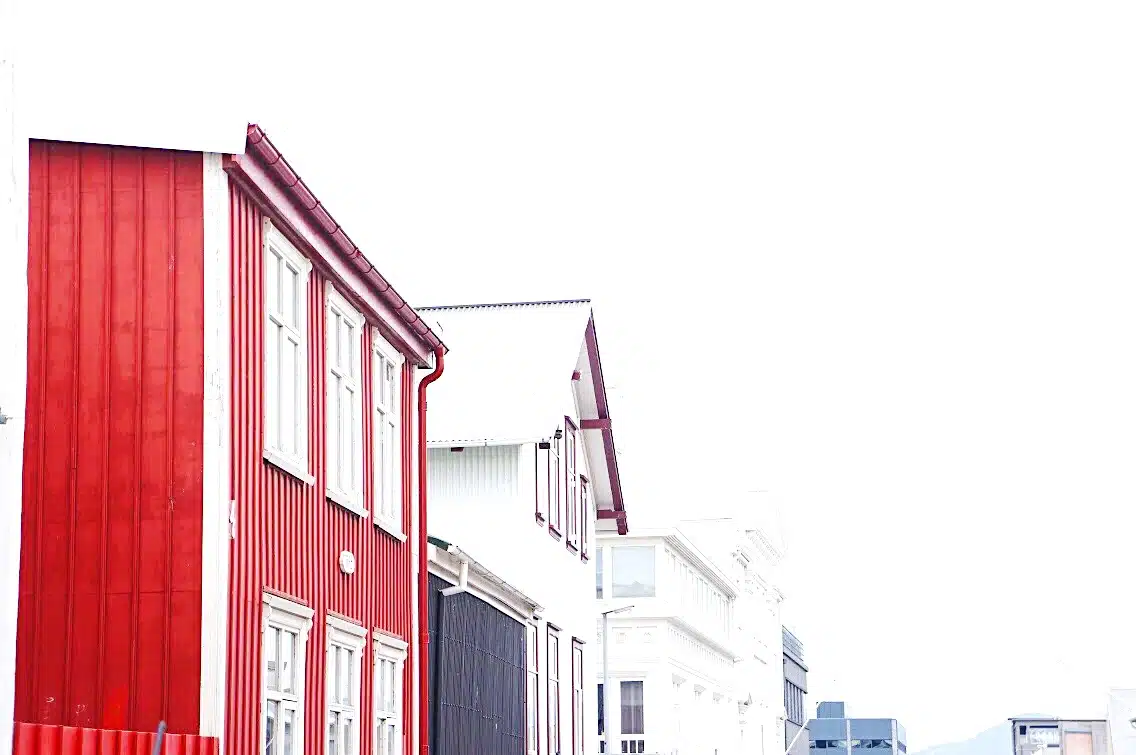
(482, 500)
(13, 378)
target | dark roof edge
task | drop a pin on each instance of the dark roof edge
(436, 307)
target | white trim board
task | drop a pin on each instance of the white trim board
(216, 496)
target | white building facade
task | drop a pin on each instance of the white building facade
(522, 473)
(751, 558)
(672, 686)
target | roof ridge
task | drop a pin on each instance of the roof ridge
(437, 307)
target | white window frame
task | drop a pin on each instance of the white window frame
(295, 462)
(532, 679)
(279, 613)
(388, 722)
(351, 636)
(350, 497)
(387, 417)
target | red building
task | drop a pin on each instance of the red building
(221, 461)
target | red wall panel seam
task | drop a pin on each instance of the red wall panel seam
(136, 539)
(108, 299)
(45, 201)
(171, 366)
(72, 503)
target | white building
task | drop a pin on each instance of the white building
(672, 681)
(13, 375)
(522, 473)
(751, 557)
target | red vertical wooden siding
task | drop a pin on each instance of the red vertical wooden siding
(288, 535)
(110, 572)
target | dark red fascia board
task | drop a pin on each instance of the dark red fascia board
(603, 413)
(264, 172)
(595, 424)
(620, 518)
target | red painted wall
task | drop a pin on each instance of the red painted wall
(288, 536)
(110, 568)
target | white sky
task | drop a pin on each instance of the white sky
(877, 257)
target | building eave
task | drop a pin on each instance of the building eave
(263, 164)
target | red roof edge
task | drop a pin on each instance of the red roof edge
(264, 151)
(603, 412)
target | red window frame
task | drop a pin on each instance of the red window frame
(540, 477)
(577, 696)
(585, 517)
(555, 486)
(571, 496)
(552, 682)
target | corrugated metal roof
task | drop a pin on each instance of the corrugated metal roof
(509, 371)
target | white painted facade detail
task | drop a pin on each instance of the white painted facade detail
(676, 645)
(13, 376)
(518, 375)
(751, 556)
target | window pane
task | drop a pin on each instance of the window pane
(631, 707)
(333, 733)
(271, 658)
(349, 736)
(599, 573)
(270, 728)
(288, 658)
(633, 572)
(289, 728)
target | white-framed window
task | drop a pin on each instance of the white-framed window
(532, 690)
(345, 646)
(387, 390)
(552, 697)
(285, 354)
(390, 659)
(284, 628)
(344, 403)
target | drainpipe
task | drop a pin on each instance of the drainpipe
(463, 580)
(423, 573)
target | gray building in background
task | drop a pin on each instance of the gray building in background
(796, 687)
(833, 733)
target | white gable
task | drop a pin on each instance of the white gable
(508, 372)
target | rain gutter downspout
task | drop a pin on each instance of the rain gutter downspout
(423, 566)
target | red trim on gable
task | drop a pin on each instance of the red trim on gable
(604, 412)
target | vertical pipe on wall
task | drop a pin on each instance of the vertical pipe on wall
(423, 574)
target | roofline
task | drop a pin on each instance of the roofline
(680, 542)
(436, 307)
(263, 151)
(604, 412)
(483, 571)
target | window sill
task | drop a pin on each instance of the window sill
(540, 519)
(391, 529)
(554, 532)
(571, 546)
(288, 466)
(343, 501)
(584, 557)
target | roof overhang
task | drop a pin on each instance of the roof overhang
(263, 172)
(601, 424)
(445, 561)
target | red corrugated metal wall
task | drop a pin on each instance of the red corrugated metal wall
(288, 536)
(37, 739)
(110, 569)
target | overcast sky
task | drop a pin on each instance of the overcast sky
(877, 257)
